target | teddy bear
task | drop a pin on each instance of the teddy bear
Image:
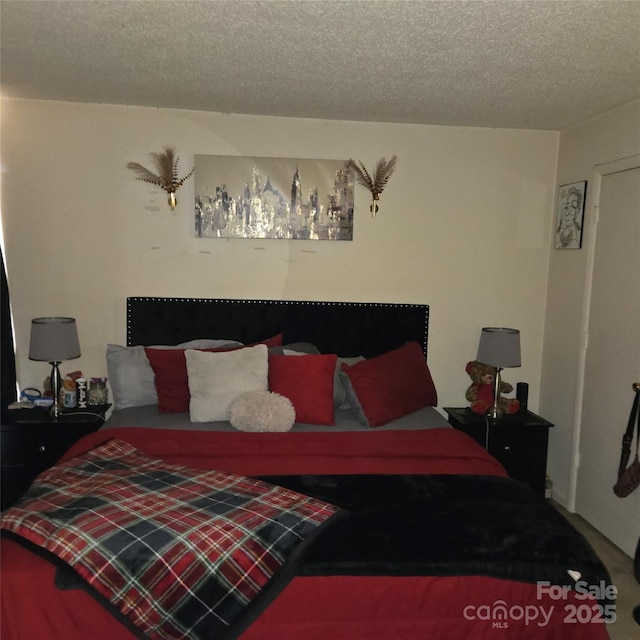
(480, 392)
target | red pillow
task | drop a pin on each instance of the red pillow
(308, 382)
(171, 378)
(391, 385)
(276, 341)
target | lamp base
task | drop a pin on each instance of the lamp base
(56, 383)
(56, 410)
(496, 412)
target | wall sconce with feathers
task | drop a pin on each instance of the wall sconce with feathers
(167, 177)
(377, 182)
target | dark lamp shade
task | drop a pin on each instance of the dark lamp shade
(54, 340)
(499, 347)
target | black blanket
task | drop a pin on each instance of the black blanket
(445, 525)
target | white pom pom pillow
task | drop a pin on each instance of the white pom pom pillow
(262, 411)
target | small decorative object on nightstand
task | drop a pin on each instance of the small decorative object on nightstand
(32, 440)
(519, 442)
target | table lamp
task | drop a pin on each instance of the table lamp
(54, 340)
(499, 347)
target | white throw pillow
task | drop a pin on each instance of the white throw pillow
(216, 379)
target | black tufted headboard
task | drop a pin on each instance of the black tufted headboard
(345, 328)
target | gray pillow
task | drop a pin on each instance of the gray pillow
(299, 347)
(341, 399)
(352, 399)
(130, 376)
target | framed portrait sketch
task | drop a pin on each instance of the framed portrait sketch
(570, 215)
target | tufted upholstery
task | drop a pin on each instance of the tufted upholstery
(346, 328)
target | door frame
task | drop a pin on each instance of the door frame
(593, 194)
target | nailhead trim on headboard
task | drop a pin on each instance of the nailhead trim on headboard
(346, 328)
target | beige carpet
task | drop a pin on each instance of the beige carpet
(620, 567)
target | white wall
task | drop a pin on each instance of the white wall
(605, 138)
(464, 225)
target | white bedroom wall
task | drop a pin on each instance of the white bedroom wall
(464, 225)
(606, 138)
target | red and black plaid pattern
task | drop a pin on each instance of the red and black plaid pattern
(181, 553)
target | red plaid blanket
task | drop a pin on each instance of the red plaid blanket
(176, 552)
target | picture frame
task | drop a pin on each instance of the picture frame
(279, 198)
(569, 222)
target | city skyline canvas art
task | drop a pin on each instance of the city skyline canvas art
(280, 198)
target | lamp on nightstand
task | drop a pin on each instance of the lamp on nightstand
(54, 340)
(499, 348)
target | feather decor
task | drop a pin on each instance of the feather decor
(166, 163)
(378, 181)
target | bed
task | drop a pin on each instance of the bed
(428, 537)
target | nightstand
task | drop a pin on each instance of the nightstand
(31, 441)
(519, 441)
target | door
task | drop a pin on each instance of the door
(612, 362)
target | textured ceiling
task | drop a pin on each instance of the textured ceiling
(533, 64)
